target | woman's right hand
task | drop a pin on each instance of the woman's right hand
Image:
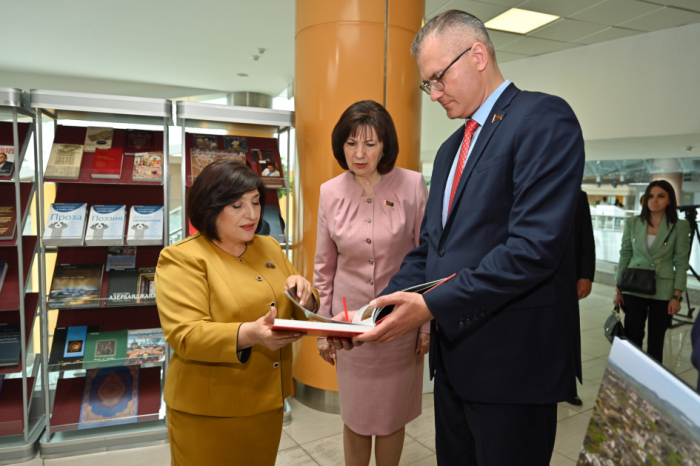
(618, 300)
(326, 351)
(260, 333)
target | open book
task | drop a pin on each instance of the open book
(365, 319)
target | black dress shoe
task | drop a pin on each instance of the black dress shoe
(576, 401)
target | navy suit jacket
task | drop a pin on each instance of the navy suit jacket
(507, 324)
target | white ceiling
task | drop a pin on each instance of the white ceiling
(582, 22)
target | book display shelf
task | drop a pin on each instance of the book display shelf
(21, 409)
(258, 152)
(101, 390)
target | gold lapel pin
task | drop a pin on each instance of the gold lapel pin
(496, 117)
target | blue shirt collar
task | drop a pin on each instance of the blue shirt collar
(483, 112)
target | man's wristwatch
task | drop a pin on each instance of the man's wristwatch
(678, 298)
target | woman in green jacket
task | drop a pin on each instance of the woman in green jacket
(643, 248)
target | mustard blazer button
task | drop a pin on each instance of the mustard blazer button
(240, 260)
(258, 279)
(276, 365)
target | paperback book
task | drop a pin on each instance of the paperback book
(103, 347)
(9, 344)
(148, 166)
(200, 158)
(98, 138)
(110, 397)
(106, 225)
(269, 167)
(64, 161)
(145, 225)
(146, 291)
(65, 355)
(107, 164)
(121, 257)
(75, 342)
(145, 346)
(122, 287)
(7, 160)
(76, 285)
(8, 222)
(138, 141)
(66, 225)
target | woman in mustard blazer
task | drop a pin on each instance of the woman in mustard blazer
(219, 292)
(643, 248)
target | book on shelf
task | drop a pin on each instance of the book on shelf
(146, 291)
(66, 225)
(106, 225)
(269, 167)
(145, 346)
(8, 222)
(200, 158)
(9, 344)
(103, 347)
(364, 320)
(98, 138)
(60, 347)
(107, 164)
(121, 257)
(110, 397)
(145, 225)
(3, 272)
(138, 141)
(76, 285)
(148, 166)
(64, 161)
(236, 144)
(122, 287)
(7, 160)
(205, 141)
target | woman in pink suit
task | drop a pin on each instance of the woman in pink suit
(368, 219)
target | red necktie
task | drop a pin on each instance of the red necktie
(472, 125)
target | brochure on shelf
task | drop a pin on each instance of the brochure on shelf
(66, 225)
(106, 225)
(145, 226)
(7, 160)
(98, 137)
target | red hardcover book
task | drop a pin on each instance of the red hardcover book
(8, 221)
(107, 163)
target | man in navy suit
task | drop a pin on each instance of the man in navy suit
(504, 346)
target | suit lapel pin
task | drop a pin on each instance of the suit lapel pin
(269, 265)
(388, 203)
(496, 117)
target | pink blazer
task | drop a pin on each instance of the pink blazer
(362, 240)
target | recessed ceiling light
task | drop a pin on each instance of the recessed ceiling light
(520, 21)
(243, 75)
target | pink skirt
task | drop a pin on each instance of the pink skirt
(380, 386)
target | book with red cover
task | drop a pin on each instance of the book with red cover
(107, 163)
(8, 222)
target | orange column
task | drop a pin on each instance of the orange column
(342, 57)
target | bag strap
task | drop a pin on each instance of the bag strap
(663, 250)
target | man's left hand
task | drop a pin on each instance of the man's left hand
(410, 312)
(584, 286)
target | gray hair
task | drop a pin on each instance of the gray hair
(453, 21)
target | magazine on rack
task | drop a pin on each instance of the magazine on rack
(364, 320)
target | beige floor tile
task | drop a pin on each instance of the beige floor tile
(309, 425)
(422, 429)
(294, 457)
(144, 456)
(428, 400)
(561, 460)
(327, 451)
(427, 461)
(570, 434)
(593, 370)
(595, 346)
(286, 442)
(414, 453)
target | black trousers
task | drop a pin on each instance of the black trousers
(487, 434)
(636, 311)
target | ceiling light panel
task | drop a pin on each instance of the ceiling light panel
(520, 21)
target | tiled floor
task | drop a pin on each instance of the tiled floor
(315, 438)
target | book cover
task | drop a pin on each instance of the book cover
(107, 164)
(76, 285)
(200, 158)
(205, 141)
(9, 344)
(64, 161)
(97, 137)
(104, 348)
(145, 346)
(148, 166)
(3, 272)
(145, 225)
(57, 360)
(66, 225)
(122, 287)
(110, 397)
(138, 141)
(269, 167)
(7, 160)
(8, 222)
(121, 257)
(235, 144)
(106, 225)
(75, 342)
(146, 289)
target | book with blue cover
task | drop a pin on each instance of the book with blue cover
(66, 224)
(75, 342)
(9, 344)
(110, 397)
(106, 225)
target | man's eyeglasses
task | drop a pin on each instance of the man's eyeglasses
(436, 83)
